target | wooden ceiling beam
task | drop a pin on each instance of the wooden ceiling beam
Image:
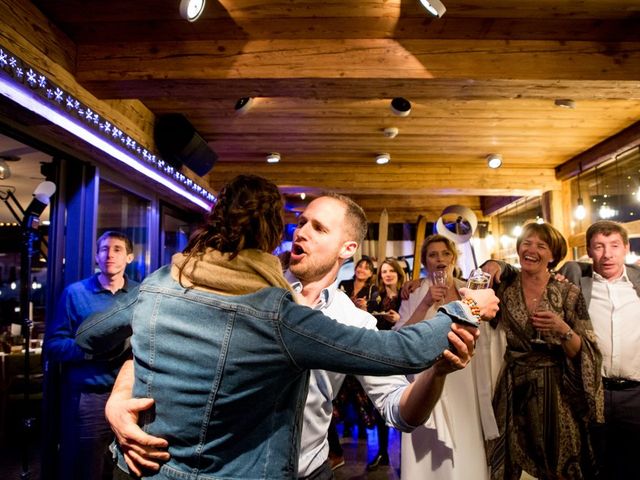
(360, 58)
(397, 179)
(25, 32)
(178, 92)
(613, 146)
(96, 31)
(401, 209)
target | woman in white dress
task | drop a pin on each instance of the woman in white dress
(450, 445)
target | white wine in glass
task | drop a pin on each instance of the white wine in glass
(538, 306)
(478, 280)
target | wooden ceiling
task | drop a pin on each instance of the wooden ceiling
(482, 79)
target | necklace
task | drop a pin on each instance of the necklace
(533, 293)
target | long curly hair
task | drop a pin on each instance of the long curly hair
(247, 214)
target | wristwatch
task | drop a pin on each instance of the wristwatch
(567, 336)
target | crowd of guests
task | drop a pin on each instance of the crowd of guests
(548, 393)
(235, 364)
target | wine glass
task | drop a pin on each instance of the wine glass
(439, 277)
(478, 280)
(537, 306)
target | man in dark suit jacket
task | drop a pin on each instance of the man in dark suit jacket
(611, 290)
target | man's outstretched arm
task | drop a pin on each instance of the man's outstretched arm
(141, 450)
(419, 398)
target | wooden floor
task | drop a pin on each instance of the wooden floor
(358, 452)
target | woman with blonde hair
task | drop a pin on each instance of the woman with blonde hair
(450, 445)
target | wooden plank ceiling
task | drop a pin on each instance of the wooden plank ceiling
(482, 79)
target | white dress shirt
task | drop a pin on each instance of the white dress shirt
(615, 314)
(385, 392)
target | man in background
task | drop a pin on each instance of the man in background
(611, 290)
(86, 383)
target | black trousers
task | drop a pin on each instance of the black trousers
(621, 432)
(323, 472)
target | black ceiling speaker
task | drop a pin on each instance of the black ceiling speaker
(180, 144)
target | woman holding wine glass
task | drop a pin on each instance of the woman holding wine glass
(384, 304)
(450, 445)
(359, 289)
(549, 392)
(361, 286)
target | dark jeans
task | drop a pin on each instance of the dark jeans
(86, 435)
(334, 441)
(121, 475)
(622, 432)
(323, 472)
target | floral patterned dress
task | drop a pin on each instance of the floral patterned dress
(545, 402)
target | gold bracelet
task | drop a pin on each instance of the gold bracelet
(473, 306)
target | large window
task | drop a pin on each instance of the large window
(121, 210)
(176, 228)
(609, 192)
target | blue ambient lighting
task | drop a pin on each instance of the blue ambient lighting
(62, 109)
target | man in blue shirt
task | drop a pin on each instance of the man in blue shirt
(86, 383)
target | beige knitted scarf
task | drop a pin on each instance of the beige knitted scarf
(249, 271)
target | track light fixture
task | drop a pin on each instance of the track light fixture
(273, 157)
(243, 105)
(391, 132)
(383, 158)
(564, 103)
(400, 106)
(5, 171)
(434, 7)
(191, 9)
(494, 160)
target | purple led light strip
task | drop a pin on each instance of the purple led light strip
(34, 91)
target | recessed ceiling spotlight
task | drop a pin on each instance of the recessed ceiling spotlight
(390, 132)
(191, 9)
(243, 105)
(303, 196)
(564, 103)
(5, 171)
(383, 158)
(494, 160)
(273, 157)
(400, 106)
(434, 7)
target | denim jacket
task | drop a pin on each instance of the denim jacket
(229, 374)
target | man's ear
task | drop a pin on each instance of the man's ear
(129, 258)
(348, 249)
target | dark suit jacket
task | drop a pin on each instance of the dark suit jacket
(581, 274)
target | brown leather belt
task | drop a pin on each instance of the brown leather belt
(619, 383)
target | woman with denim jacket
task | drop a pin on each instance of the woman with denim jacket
(220, 344)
